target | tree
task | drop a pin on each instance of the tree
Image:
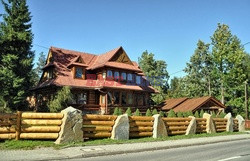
(179, 114)
(177, 88)
(201, 113)
(137, 112)
(61, 100)
(156, 72)
(154, 112)
(116, 111)
(196, 114)
(190, 113)
(213, 114)
(171, 113)
(120, 111)
(128, 111)
(222, 115)
(16, 56)
(39, 66)
(148, 112)
(161, 114)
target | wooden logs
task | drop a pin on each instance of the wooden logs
(97, 128)
(176, 119)
(41, 129)
(41, 122)
(29, 115)
(140, 134)
(141, 129)
(11, 129)
(8, 136)
(18, 124)
(141, 118)
(97, 135)
(140, 123)
(39, 135)
(100, 117)
(111, 123)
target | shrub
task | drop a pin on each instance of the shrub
(61, 100)
(120, 111)
(128, 111)
(201, 113)
(161, 114)
(154, 112)
(179, 114)
(196, 114)
(171, 113)
(190, 113)
(137, 112)
(116, 111)
(148, 113)
(222, 115)
(213, 114)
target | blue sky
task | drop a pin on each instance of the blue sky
(168, 28)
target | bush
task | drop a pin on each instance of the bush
(148, 113)
(61, 100)
(201, 113)
(120, 112)
(179, 114)
(116, 111)
(213, 114)
(137, 112)
(154, 112)
(190, 113)
(196, 114)
(128, 111)
(171, 113)
(161, 114)
(222, 115)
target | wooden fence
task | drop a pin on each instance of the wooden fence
(98, 126)
(30, 125)
(201, 125)
(141, 126)
(220, 124)
(236, 125)
(176, 126)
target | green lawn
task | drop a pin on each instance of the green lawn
(32, 144)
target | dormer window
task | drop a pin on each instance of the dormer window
(79, 72)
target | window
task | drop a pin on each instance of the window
(109, 98)
(82, 98)
(130, 78)
(130, 98)
(124, 76)
(78, 72)
(109, 74)
(116, 98)
(138, 80)
(116, 75)
(50, 74)
(124, 98)
(140, 99)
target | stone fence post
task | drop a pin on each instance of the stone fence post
(120, 129)
(159, 128)
(241, 123)
(230, 122)
(210, 127)
(191, 129)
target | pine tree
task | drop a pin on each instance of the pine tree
(16, 56)
(148, 112)
(201, 113)
(38, 70)
(171, 113)
(179, 114)
(222, 115)
(128, 111)
(196, 114)
(154, 112)
(161, 114)
(137, 112)
(116, 111)
(190, 113)
(120, 112)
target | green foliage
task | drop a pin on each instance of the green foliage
(128, 111)
(154, 112)
(116, 111)
(16, 56)
(189, 113)
(156, 70)
(137, 112)
(161, 114)
(120, 112)
(61, 100)
(222, 115)
(171, 113)
(201, 113)
(213, 114)
(37, 72)
(179, 114)
(196, 114)
(148, 112)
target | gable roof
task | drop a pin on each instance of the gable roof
(63, 59)
(190, 104)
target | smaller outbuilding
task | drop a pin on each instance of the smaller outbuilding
(207, 103)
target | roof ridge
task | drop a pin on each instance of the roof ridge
(75, 51)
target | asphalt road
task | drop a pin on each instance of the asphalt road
(226, 151)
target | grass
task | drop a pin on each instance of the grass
(32, 144)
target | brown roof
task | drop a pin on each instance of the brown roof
(190, 104)
(63, 59)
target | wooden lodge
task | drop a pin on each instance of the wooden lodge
(99, 83)
(207, 104)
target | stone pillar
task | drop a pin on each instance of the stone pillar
(192, 126)
(230, 122)
(159, 127)
(71, 128)
(210, 127)
(241, 123)
(120, 130)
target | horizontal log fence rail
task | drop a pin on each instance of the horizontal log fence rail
(141, 126)
(220, 124)
(235, 125)
(98, 126)
(29, 125)
(176, 126)
(201, 125)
